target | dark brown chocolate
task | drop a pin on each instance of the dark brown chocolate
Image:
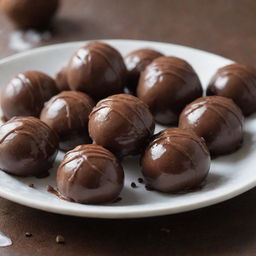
(28, 147)
(98, 70)
(62, 80)
(136, 62)
(68, 114)
(29, 14)
(90, 174)
(26, 94)
(218, 120)
(121, 123)
(238, 82)
(167, 85)
(176, 160)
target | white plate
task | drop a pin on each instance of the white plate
(229, 176)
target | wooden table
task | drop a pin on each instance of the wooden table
(223, 27)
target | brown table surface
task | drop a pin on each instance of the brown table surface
(223, 27)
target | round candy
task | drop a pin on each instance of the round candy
(28, 147)
(29, 13)
(97, 69)
(136, 62)
(68, 114)
(121, 123)
(26, 94)
(90, 174)
(167, 85)
(176, 160)
(218, 120)
(62, 80)
(238, 82)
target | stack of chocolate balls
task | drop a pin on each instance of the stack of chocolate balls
(85, 111)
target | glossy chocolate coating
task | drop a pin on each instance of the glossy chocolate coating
(136, 62)
(121, 123)
(90, 174)
(167, 85)
(238, 82)
(218, 120)
(62, 80)
(28, 147)
(176, 160)
(98, 70)
(68, 114)
(26, 94)
(29, 13)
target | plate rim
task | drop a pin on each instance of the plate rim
(158, 210)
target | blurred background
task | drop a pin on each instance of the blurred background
(223, 27)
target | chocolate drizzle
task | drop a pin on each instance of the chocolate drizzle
(90, 174)
(136, 62)
(121, 123)
(171, 66)
(218, 120)
(129, 102)
(238, 82)
(167, 85)
(26, 94)
(68, 114)
(91, 60)
(176, 160)
(27, 147)
(106, 52)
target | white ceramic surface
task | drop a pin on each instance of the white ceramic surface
(229, 176)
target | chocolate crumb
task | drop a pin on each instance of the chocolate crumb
(147, 187)
(60, 239)
(140, 180)
(133, 185)
(27, 234)
(31, 185)
(117, 200)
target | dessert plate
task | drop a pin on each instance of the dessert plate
(229, 175)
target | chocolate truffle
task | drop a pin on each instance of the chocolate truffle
(62, 80)
(68, 114)
(28, 147)
(218, 120)
(167, 85)
(29, 13)
(90, 174)
(176, 160)
(121, 123)
(26, 94)
(136, 62)
(97, 69)
(238, 82)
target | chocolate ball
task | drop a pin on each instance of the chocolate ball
(28, 147)
(97, 69)
(218, 120)
(62, 80)
(136, 62)
(68, 114)
(29, 13)
(121, 123)
(176, 160)
(238, 82)
(167, 85)
(26, 94)
(90, 174)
